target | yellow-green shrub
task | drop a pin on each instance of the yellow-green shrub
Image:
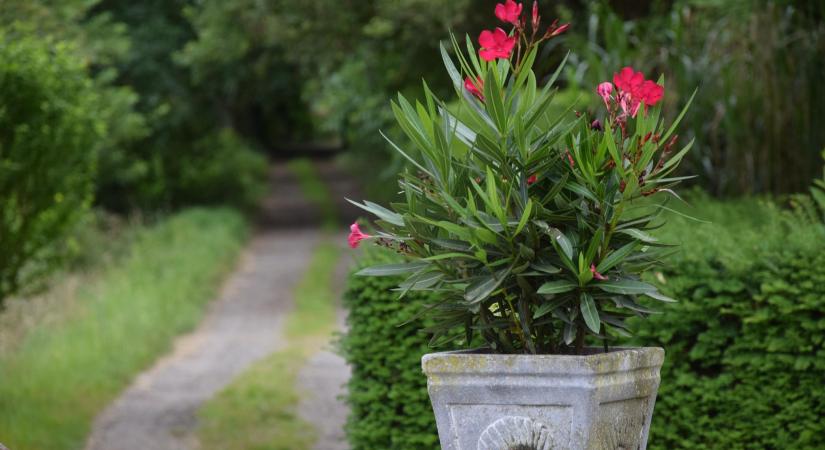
(48, 128)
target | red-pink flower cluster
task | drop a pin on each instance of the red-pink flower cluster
(596, 274)
(495, 44)
(498, 44)
(475, 87)
(631, 91)
(356, 236)
(509, 12)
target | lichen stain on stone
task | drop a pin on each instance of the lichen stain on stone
(455, 364)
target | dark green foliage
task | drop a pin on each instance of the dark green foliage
(759, 66)
(745, 358)
(525, 224)
(185, 100)
(160, 109)
(221, 169)
(48, 131)
(390, 409)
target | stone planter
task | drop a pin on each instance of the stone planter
(598, 401)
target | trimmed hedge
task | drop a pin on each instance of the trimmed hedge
(389, 406)
(745, 365)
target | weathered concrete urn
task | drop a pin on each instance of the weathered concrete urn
(597, 401)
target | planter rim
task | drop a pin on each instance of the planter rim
(618, 359)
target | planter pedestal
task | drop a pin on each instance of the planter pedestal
(598, 401)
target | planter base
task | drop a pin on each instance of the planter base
(600, 401)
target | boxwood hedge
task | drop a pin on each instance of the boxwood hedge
(389, 406)
(745, 365)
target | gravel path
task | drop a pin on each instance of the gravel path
(158, 412)
(322, 382)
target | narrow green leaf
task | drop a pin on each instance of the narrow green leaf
(524, 216)
(590, 313)
(388, 270)
(626, 287)
(455, 76)
(480, 289)
(639, 234)
(569, 333)
(557, 287)
(563, 242)
(380, 212)
(615, 257)
(661, 297)
(679, 117)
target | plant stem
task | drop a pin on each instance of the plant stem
(580, 339)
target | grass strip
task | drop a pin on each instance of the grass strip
(259, 409)
(119, 319)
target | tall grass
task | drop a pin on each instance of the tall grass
(109, 324)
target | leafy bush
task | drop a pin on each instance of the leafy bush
(48, 131)
(389, 406)
(520, 221)
(744, 344)
(743, 131)
(221, 169)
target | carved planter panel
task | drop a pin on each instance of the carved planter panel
(600, 401)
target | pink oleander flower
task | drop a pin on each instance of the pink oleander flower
(532, 179)
(633, 90)
(475, 87)
(561, 29)
(509, 12)
(356, 236)
(495, 44)
(605, 90)
(554, 30)
(536, 18)
(597, 275)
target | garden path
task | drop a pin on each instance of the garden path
(159, 410)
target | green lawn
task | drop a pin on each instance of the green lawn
(258, 411)
(94, 331)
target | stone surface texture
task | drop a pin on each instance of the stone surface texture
(598, 401)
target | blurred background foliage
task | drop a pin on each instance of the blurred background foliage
(190, 97)
(758, 66)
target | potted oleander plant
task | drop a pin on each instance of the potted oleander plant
(533, 231)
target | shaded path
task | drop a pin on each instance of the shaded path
(158, 411)
(322, 380)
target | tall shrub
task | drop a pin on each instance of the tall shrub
(47, 159)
